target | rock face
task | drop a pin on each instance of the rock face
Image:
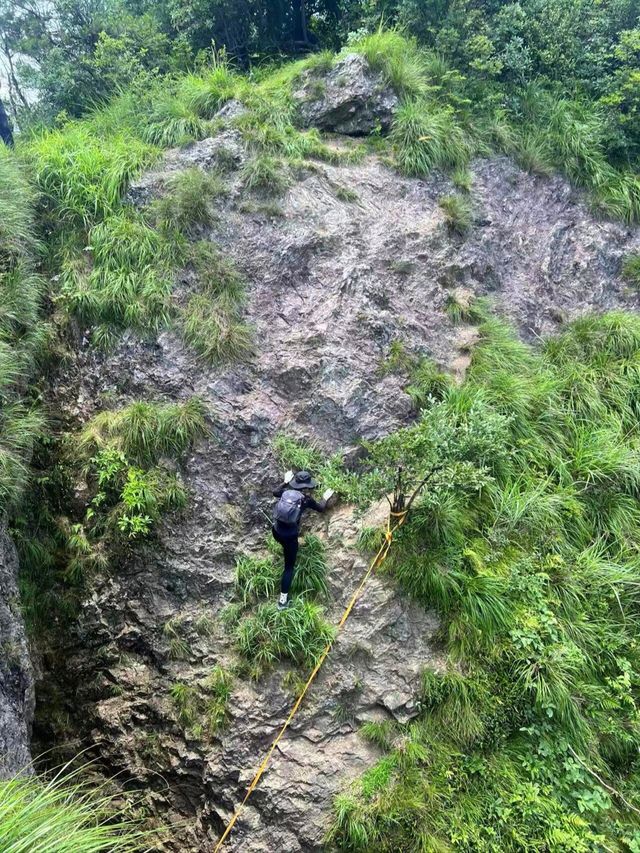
(331, 282)
(352, 99)
(16, 676)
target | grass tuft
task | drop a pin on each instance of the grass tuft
(427, 137)
(458, 214)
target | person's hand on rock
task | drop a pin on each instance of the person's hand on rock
(288, 477)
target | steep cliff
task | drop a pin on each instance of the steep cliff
(351, 259)
(17, 698)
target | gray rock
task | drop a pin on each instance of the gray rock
(231, 110)
(351, 98)
(222, 151)
(17, 698)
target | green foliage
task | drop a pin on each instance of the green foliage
(298, 634)
(259, 577)
(214, 328)
(187, 202)
(219, 688)
(80, 176)
(458, 213)
(22, 332)
(174, 631)
(172, 122)
(525, 541)
(266, 174)
(203, 708)
(462, 179)
(631, 269)
(144, 432)
(398, 57)
(427, 137)
(66, 811)
(130, 281)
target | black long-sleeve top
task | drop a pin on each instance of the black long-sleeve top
(307, 503)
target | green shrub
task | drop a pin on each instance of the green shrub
(173, 121)
(462, 179)
(81, 177)
(525, 541)
(398, 57)
(205, 94)
(130, 281)
(631, 269)
(532, 153)
(146, 431)
(213, 327)
(23, 335)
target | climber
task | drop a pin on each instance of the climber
(294, 497)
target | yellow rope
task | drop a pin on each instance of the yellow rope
(379, 558)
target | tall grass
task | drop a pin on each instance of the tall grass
(399, 59)
(525, 541)
(426, 136)
(188, 200)
(298, 634)
(144, 431)
(81, 177)
(23, 335)
(204, 94)
(63, 814)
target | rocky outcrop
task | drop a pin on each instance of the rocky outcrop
(351, 98)
(16, 676)
(331, 282)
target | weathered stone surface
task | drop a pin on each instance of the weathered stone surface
(16, 675)
(330, 285)
(223, 151)
(351, 98)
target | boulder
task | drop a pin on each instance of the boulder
(351, 98)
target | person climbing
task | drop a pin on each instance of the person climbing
(294, 498)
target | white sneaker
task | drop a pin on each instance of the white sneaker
(283, 601)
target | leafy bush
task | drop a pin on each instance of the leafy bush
(120, 452)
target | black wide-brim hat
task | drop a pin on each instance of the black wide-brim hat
(302, 480)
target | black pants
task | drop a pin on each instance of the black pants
(290, 551)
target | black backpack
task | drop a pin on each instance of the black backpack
(289, 508)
